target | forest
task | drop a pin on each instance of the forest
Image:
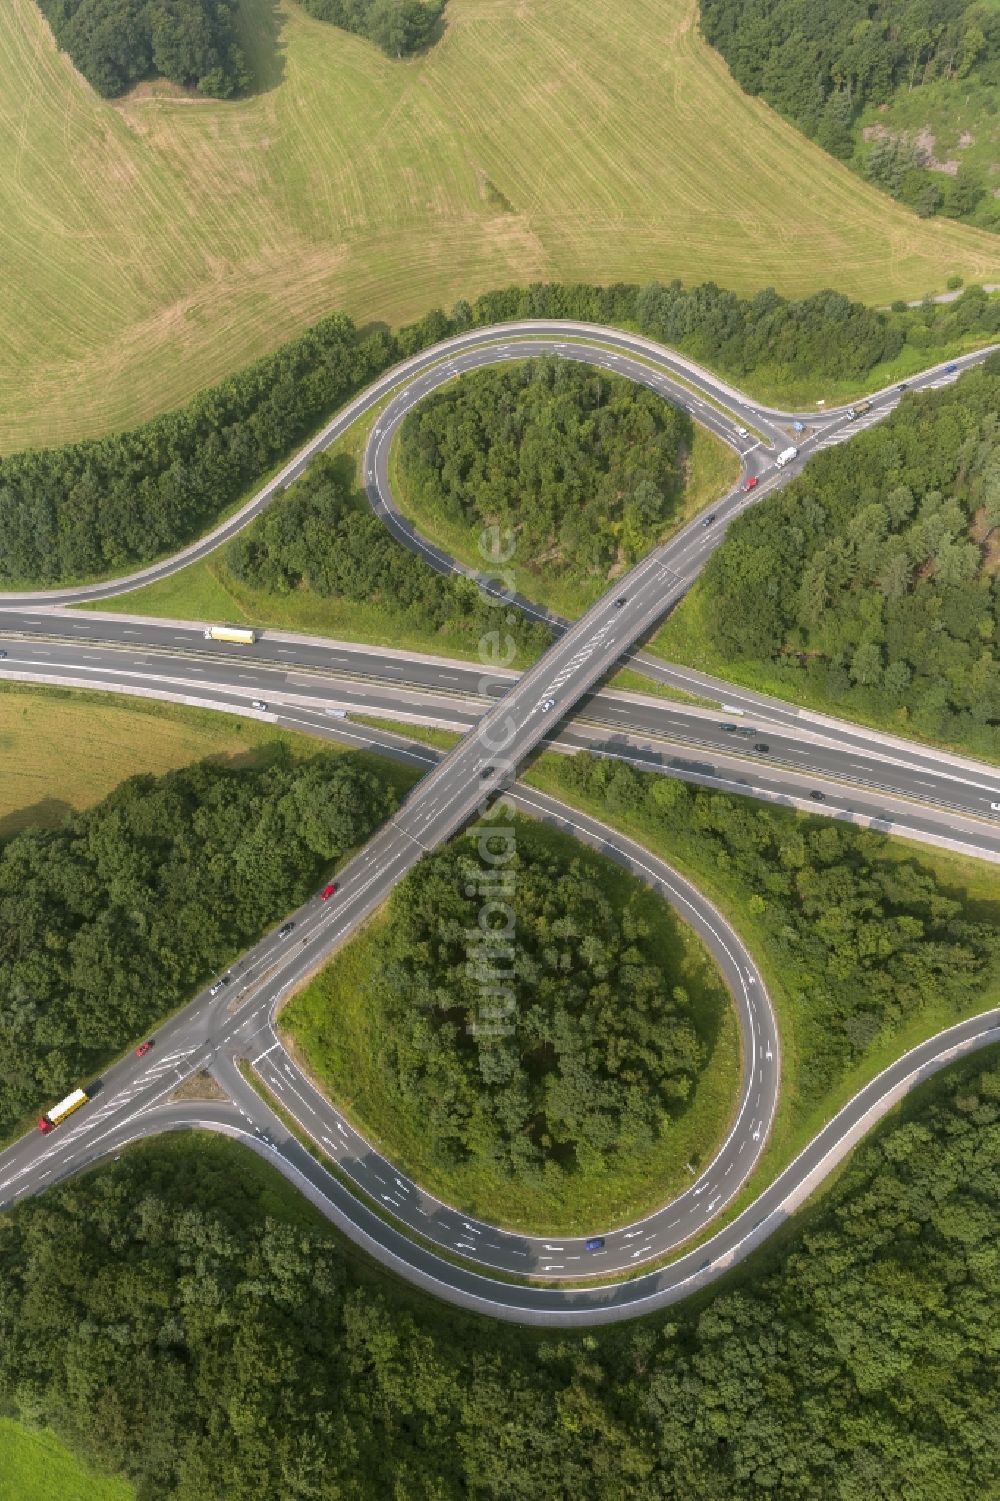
(871, 584)
(104, 504)
(184, 1318)
(111, 921)
(322, 536)
(116, 43)
(101, 506)
(398, 27)
(594, 1049)
(862, 936)
(585, 469)
(822, 65)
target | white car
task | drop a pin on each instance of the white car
(995, 807)
(258, 703)
(742, 432)
(547, 704)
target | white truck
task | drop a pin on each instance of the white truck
(231, 633)
(785, 457)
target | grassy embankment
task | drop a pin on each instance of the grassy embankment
(211, 231)
(712, 469)
(800, 1114)
(685, 640)
(34, 1466)
(336, 1027)
(206, 590)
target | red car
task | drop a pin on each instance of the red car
(143, 1048)
(328, 891)
(751, 483)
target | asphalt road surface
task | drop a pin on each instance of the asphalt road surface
(459, 784)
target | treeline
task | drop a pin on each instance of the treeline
(399, 27)
(864, 940)
(871, 584)
(181, 1319)
(567, 1045)
(585, 469)
(115, 43)
(110, 921)
(104, 505)
(322, 536)
(823, 65)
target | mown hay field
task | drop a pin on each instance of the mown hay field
(64, 749)
(151, 245)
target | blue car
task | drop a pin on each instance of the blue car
(950, 369)
(595, 1243)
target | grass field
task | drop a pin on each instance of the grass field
(65, 749)
(152, 245)
(34, 1466)
(336, 1027)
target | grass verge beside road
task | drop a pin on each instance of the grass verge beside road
(336, 1026)
(800, 1113)
(712, 469)
(36, 1466)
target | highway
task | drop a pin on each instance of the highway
(434, 1245)
(871, 778)
(44, 641)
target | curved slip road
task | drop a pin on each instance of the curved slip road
(676, 375)
(240, 1020)
(453, 790)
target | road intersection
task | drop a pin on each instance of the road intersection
(405, 1227)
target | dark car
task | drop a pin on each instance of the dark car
(708, 520)
(622, 600)
(487, 771)
(818, 797)
(904, 385)
(2, 653)
(730, 729)
(762, 746)
(143, 1048)
(222, 980)
(595, 1243)
(285, 929)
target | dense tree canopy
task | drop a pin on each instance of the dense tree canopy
(108, 503)
(600, 1049)
(864, 939)
(112, 920)
(399, 27)
(584, 468)
(179, 1320)
(103, 505)
(821, 65)
(115, 43)
(873, 579)
(321, 536)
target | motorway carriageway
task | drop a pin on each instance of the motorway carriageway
(896, 786)
(459, 784)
